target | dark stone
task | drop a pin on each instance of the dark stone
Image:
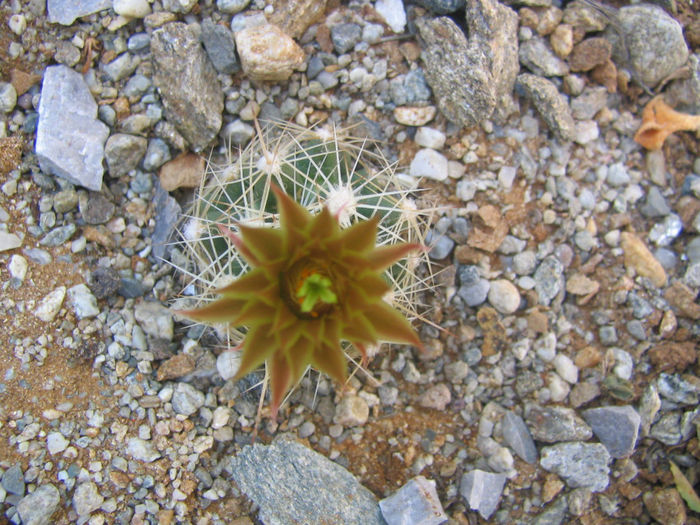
(104, 282)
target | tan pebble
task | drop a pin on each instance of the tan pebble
(668, 325)
(184, 171)
(587, 357)
(579, 284)
(552, 486)
(177, 366)
(562, 40)
(639, 258)
(414, 116)
(267, 53)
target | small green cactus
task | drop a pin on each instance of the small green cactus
(329, 174)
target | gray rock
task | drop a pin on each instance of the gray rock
(677, 389)
(187, 83)
(69, 137)
(86, 498)
(137, 86)
(138, 42)
(692, 249)
(66, 11)
(345, 36)
(552, 424)
(667, 429)
(13, 480)
(58, 236)
(441, 7)
(9, 241)
(482, 490)
(220, 46)
(130, 288)
(37, 255)
(474, 289)
(416, 502)
(123, 153)
(440, 247)
(96, 208)
(550, 104)
(553, 514)
(653, 45)
(665, 232)
(121, 67)
(238, 132)
(549, 279)
(470, 79)
(157, 154)
(186, 399)
(617, 427)
(536, 55)
(167, 214)
(579, 464)
(155, 319)
(518, 437)
(588, 103)
(38, 507)
(279, 478)
(655, 204)
(409, 88)
(524, 263)
(104, 282)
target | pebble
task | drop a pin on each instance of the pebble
(238, 132)
(414, 116)
(50, 305)
(393, 13)
(187, 82)
(536, 55)
(8, 97)
(351, 411)
(504, 296)
(415, 502)
(221, 47)
(552, 424)
(142, 450)
(518, 437)
(13, 480)
(617, 427)
(430, 138)
(232, 7)
(123, 152)
(430, 164)
(482, 490)
(267, 53)
(65, 12)
(38, 507)
(9, 241)
(132, 8)
(638, 257)
(436, 397)
(82, 301)
(579, 464)
(184, 171)
(548, 279)
(338, 496)
(186, 399)
(665, 506)
(345, 36)
(69, 137)
(228, 363)
(550, 104)
(86, 498)
(155, 319)
(566, 368)
(56, 443)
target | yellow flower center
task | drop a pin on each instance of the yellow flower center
(308, 290)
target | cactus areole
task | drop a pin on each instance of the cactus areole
(311, 285)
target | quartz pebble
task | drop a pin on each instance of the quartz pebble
(415, 502)
(482, 490)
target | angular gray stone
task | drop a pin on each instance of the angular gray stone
(66, 11)
(13, 480)
(37, 507)
(579, 464)
(653, 44)
(187, 82)
(416, 502)
(82, 301)
(167, 214)
(220, 46)
(293, 484)
(155, 319)
(472, 78)
(186, 399)
(550, 104)
(69, 137)
(86, 498)
(518, 437)
(617, 427)
(552, 424)
(142, 450)
(482, 490)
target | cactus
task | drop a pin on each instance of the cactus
(329, 174)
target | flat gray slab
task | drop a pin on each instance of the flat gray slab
(293, 484)
(69, 138)
(66, 11)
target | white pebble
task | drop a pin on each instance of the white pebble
(429, 163)
(17, 24)
(228, 364)
(430, 138)
(132, 8)
(50, 305)
(504, 296)
(566, 368)
(56, 443)
(18, 267)
(558, 388)
(393, 13)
